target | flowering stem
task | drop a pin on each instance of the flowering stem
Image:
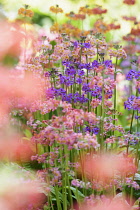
(137, 113)
(97, 52)
(80, 87)
(65, 178)
(131, 194)
(56, 17)
(115, 92)
(57, 198)
(132, 118)
(102, 114)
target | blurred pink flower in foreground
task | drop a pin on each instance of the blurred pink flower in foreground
(22, 196)
(105, 167)
(10, 38)
(20, 189)
(19, 90)
(15, 150)
(107, 204)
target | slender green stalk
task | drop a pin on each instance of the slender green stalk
(80, 87)
(57, 198)
(102, 115)
(115, 93)
(132, 118)
(97, 47)
(131, 194)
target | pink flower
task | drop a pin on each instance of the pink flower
(95, 102)
(13, 36)
(104, 167)
(14, 148)
(15, 90)
(107, 204)
(21, 196)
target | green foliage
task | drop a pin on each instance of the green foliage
(10, 60)
(39, 18)
(136, 193)
(53, 43)
(28, 133)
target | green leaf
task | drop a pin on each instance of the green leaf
(10, 60)
(77, 193)
(53, 43)
(27, 133)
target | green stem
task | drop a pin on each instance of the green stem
(57, 198)
(131, 194)
(102, 114)
(115, 93)
(132, 118)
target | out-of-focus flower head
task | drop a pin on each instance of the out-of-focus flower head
(56, 9)
(20, 189)
(98, 10)
(13, 36)
(135, 31)
(104, 203)
(129, 38)
(22, 92)
(13, 147)
(25, 11)
(84, 10)
(55, 28)
(74, 16)
(103, 168)
(129, 2)
(101, 27)
(69, 29)
(132, 18)
(114, 26)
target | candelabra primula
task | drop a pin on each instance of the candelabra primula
(72, 119)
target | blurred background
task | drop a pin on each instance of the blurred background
(43, 17)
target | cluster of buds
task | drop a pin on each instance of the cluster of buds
(56, 9)
(25, 11)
